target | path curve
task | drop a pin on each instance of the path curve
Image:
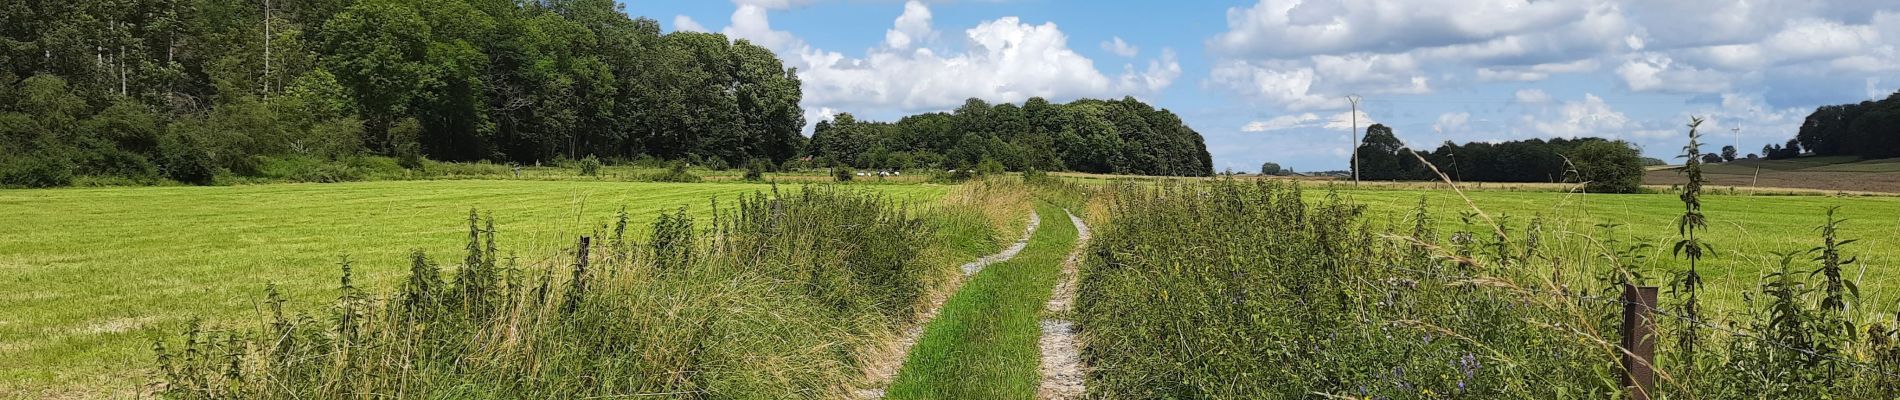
(1062, 370)
(882, 369)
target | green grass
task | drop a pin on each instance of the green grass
(1744, 229)
(984, 344)
(94, 276)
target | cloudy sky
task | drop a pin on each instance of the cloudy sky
(1267, 80)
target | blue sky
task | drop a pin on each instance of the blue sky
(1267, 80)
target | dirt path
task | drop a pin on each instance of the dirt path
(881, 368)
(1061, 352)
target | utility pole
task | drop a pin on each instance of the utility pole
(1354, 99)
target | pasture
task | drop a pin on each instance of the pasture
(94, 276)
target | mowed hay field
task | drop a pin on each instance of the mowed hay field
(1744, 229)
(93, 276)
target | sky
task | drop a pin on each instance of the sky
(1269, 80)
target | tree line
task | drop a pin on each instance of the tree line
(184, 89)
(1100, 136)
(1869, 129)
(1606, 166)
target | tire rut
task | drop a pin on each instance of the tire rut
(1062, 369)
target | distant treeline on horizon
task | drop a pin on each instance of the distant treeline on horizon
(1100, 136)
(1607, 166)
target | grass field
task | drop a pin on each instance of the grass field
(1744, 229)
(93, 276)
(983, 345)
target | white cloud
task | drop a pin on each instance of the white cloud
(1532, 96)
(1282, 28)
(1340, 122)
(1536, 72)
(1120, 48)
(1281, 122)
(1001, 60)
(1588, 117)
(750, 22)
(684, 23)
(1453, 122)
(1659, 72)
(912, 27)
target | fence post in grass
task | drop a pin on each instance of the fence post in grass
(1639, 341)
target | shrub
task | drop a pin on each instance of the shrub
(36, 171)
(590, 166)
(1608, 167)
(843, 173)
(989, 167)
(676, 173)
(406, 143)
(755, 170)
(184, 161)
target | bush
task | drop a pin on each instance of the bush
(676, 173)
(185, 161)
(590, 166)
(843, 173)
(989, 167)
(1608, 167)
(406, 142)
(755, 171)
(35, 171)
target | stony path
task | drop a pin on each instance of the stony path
(1061, 353)
(882, 368)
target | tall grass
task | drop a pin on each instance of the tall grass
(772, 298)
(1230, 289)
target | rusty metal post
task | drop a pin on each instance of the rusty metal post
(1639, 341)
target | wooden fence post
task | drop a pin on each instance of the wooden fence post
(1639, 341)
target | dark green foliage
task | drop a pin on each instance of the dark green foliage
(755, 170)
(1271, 169)
(1608, 166)
(92, 86)
(185, 161)
(843, 173)
(1102, 136)
(1869, 129)
(35, 170)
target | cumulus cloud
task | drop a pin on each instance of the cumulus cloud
(912, 27)
(1002, 60)
(1120, 48)
(1327, 48)
(1451, 122)
(1590, 116)
(687, 24)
